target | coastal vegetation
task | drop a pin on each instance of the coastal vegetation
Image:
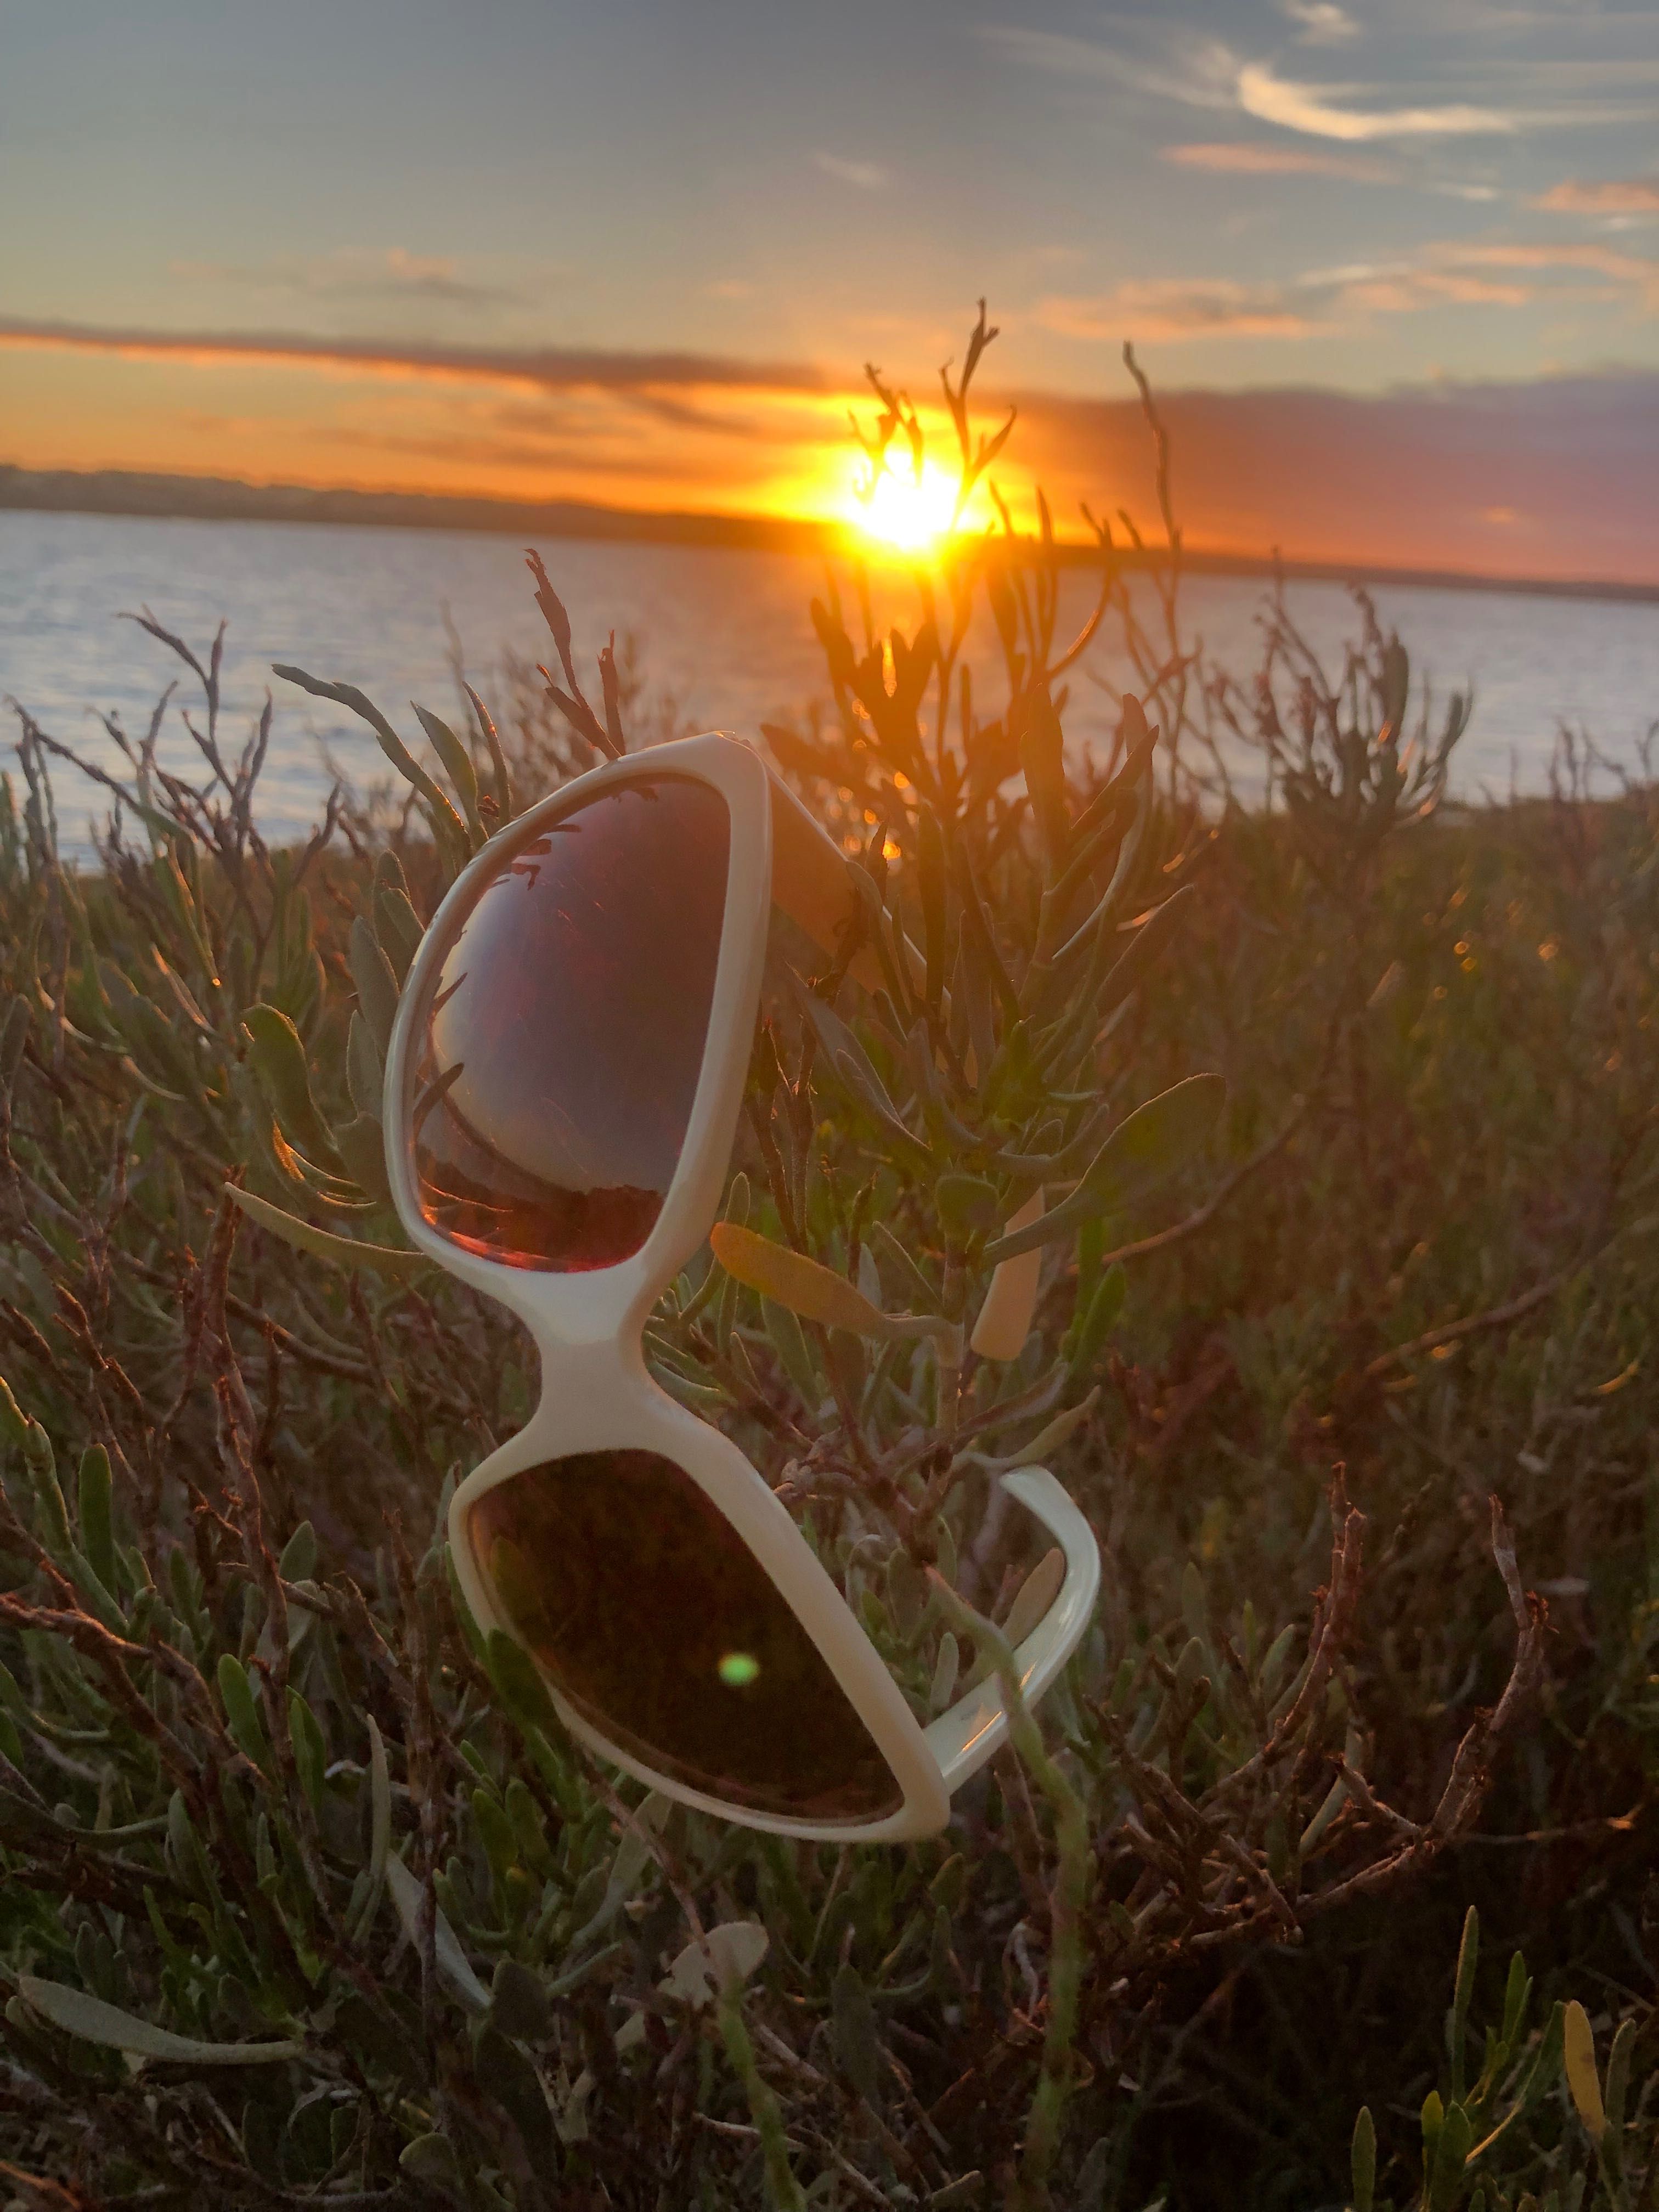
(1323, 1878)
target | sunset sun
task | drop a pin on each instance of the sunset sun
(907, 512)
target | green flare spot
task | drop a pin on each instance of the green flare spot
(737, 1669)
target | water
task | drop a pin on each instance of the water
(725, 634)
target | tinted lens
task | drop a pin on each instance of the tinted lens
(556, 1058)
(663, 1630)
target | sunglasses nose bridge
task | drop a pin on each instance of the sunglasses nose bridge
(586, 1349)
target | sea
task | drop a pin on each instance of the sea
(721, 638)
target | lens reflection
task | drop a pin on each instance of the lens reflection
(663, 1630)
(558, 1057)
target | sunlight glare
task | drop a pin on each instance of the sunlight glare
(905, 513)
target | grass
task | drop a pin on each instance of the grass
(1351, 1372)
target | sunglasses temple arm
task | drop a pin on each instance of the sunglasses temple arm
(962, 1738)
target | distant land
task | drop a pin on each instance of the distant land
(226, 499)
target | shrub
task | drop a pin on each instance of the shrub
(307, 1897)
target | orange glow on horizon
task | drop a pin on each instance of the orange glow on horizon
(1287, 470)
(298, 413)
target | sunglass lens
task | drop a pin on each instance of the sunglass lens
(558, 1051)
(661, 1629)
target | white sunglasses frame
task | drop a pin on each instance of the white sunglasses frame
(596, 1392)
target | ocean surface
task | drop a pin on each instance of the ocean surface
(723, 637)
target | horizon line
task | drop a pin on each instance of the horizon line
(156, 495)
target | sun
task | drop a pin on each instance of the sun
(907, 512)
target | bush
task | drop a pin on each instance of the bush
(307, 1897)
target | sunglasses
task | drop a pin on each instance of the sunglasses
(562, 1090)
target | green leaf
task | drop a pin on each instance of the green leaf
(858, 2041)
(1618, 2058)
(790, 1344)
(299, 1561)
(1516, 1990)
(453, 1967)
(365, 1071)
(967, 1204)
(345, 1251)
(431, 2158)
(13, 1424)
(41, 1463)
(242, 1712)
(1362, 2161)
(361, 1143)
(92, 1511)
(1142, 1150)
(1451, 2154)
(520, 1686)
(1042, 756)
(1578, 2062)
(514, 2084)
(930, 882)
(505, 806)
(457, 766)
(380, 1843)
(310, 1750)
(1468, 1953)
(376, 987)
(279, 1061)
(94, 2022)
(1092, 1328)
(1034, 1596)
(446, 822)
(518, 2002)
(808, 1288)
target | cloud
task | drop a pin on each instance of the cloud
(1173, 310)
(1323, 23)
(546, 368)
(352, 273)
(1313, 110)
(1206, 73)
(868, 176)
(1250, 159)
(1198, 72)
(1423, 475)
(1613, 196)
(1633, 274)
(731, 288)
(1325, 301)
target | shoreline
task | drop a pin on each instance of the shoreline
(144, 497)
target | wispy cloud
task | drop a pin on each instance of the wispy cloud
(1330, 301)
(1611, 196)
(1173, 310)
(867, 176)
(1321, 22)
(1315, 110)
(352, 273)
(1251, 159)
(1537, 91)
(1635, 275)
(546, 368)
(1198, 72)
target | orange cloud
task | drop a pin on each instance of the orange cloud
(545, 369)
(1250, 160)
(1615, 195)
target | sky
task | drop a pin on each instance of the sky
(1395, 265)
